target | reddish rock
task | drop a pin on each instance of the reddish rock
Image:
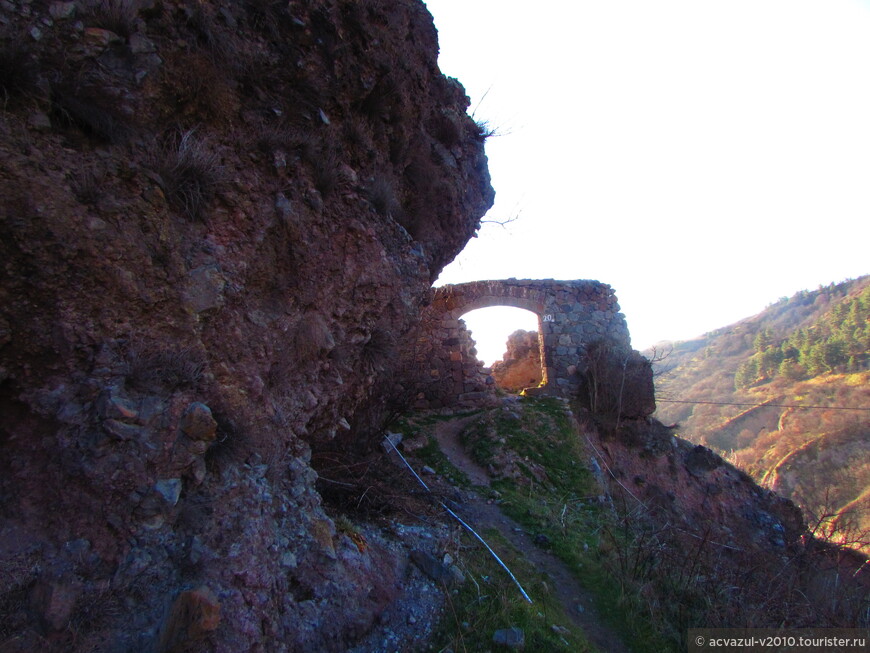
(520, 367)
(153, 293)
(198, 423)
(194, 614)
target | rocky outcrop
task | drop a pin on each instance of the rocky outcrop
(520, 366)
(218, 221)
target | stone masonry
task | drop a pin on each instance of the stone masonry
(571, 315)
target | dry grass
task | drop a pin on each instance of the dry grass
(86, 106)
(382, 197)
(379, 351)
(445, 130)
(289, 140)
(153, 369)
(87, 185)
(118, 16)
(325, 172)
(191, 173)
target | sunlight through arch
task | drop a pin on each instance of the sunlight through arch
(490, 328)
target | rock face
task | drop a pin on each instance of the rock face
(520, 367)
(217, 220)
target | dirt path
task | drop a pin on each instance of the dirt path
(576, 600)
(447, 434)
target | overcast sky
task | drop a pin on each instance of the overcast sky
(703, 158)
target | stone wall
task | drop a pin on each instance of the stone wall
(445, 368)
(571, 315)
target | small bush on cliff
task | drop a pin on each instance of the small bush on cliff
(379, 351)
(382, 197)
(86, 106)
(87, 185)
(118, 16)
(191, 174)
(152, 369)
(325, 172)
(381, 100)
(617, 382)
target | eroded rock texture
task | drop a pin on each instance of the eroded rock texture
(217, 222)
(520, 367)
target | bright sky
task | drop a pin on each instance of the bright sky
(703, 158)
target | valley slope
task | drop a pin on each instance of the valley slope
(776, 387)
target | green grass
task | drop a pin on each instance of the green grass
(432, 455)
(488, 600)
(564, 508)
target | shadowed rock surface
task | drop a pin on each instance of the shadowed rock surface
(217, 222)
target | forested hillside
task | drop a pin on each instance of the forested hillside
(786, 396)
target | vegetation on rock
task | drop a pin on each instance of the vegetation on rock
(774, 394)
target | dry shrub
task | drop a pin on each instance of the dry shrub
(87, 185)
(191, 174)
(684, 578)
(326, 173)
(87, 107)
(221, 45)
(312, 338)
(365, 484)
(311, 341)
(267, 15)
(445, 130)
(382, 197)
(289, 140)
(118, 16)
(359, 136)
(18, 574)
(616, 381)
(482, 130)
(379, 351)
(153, 370)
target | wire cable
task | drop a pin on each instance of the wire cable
(729, 403)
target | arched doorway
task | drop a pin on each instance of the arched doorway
(509, 344)
(442, 370)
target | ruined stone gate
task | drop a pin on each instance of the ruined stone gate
(571, 315)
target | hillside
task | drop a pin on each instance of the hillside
(767, 380)
(648, 534)
(220, 223)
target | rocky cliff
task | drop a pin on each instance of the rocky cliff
(520, 367)
(217, 222)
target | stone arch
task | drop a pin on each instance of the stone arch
(458, 300)
(571, 314)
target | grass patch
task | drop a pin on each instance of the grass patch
(480, 442)
(191, 174)
(432, 456)
(565, 508)
(490, 601)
